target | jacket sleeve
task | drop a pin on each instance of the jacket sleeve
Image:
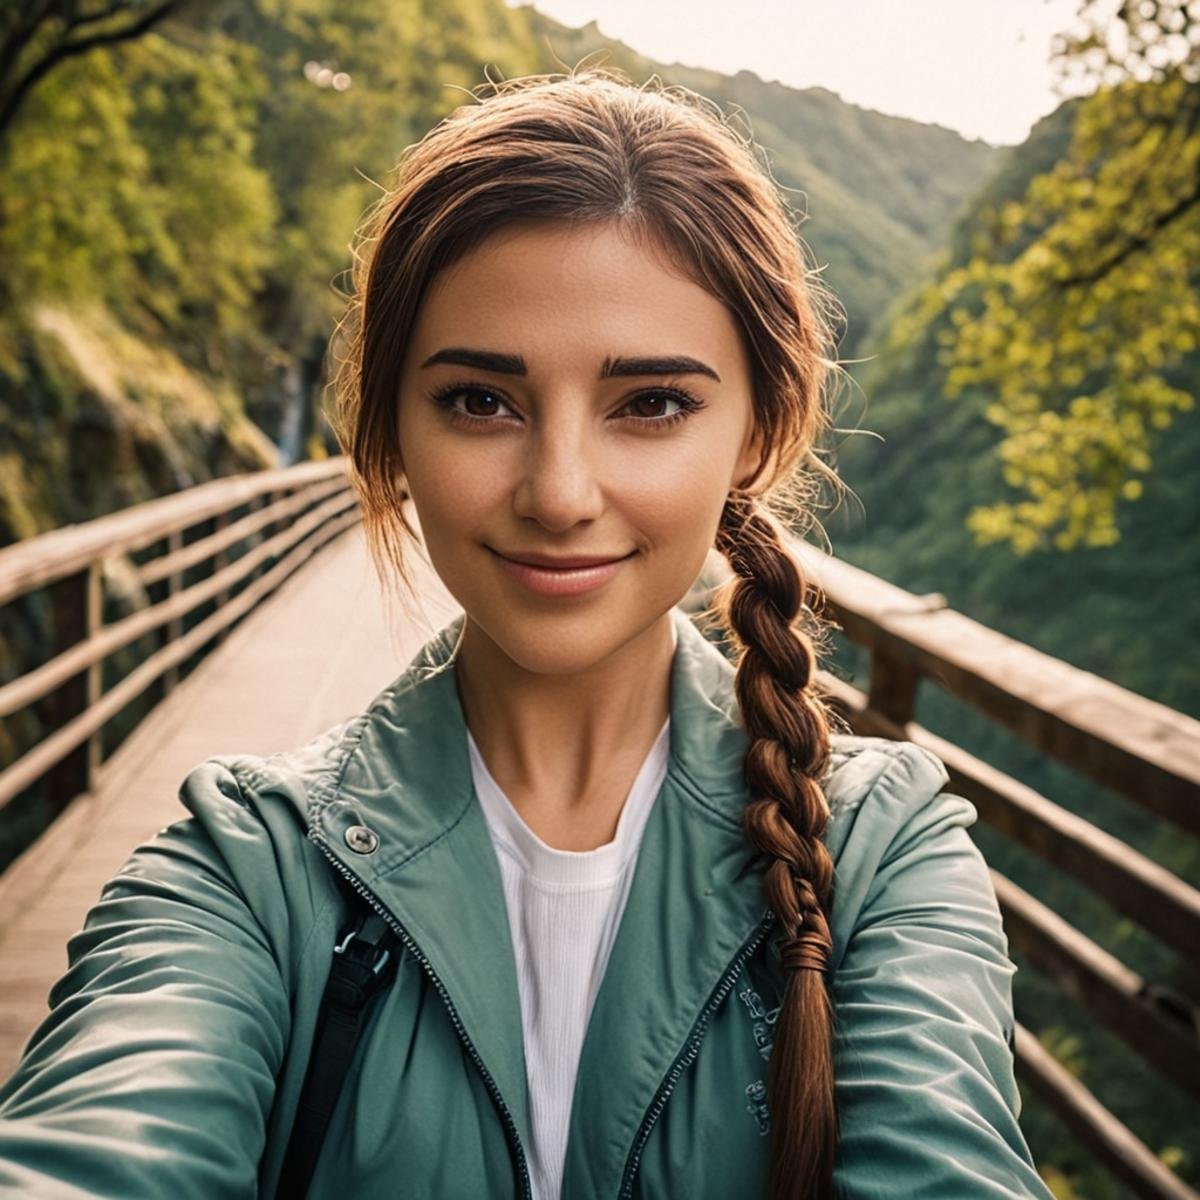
(927, 1097)
(153, 1073)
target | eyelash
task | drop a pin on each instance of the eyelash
(688, 404)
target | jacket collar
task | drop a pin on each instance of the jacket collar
(696, 896)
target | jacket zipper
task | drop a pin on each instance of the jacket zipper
(686, 1056)
(411, 946)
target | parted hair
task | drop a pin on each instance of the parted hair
(665, 164)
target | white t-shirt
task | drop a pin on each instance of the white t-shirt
(564, 907)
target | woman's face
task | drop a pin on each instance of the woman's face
(551, 438)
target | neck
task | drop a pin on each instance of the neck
(565, 749)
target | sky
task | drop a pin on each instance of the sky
(980, 67)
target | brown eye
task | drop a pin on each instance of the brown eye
(653, 402)
(656, 418)
(485, 401)
(482, 399)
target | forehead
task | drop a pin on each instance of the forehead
(553, 290)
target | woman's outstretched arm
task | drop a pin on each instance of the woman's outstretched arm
(924, 1067)
(154, 1072)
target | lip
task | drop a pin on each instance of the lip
(563, 563)
(570, 580)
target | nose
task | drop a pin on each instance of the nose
(559, 485)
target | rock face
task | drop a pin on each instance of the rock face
(96, 419)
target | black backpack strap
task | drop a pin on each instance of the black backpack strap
(365, 957)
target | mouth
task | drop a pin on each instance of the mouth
(551, 562)
(565, 577)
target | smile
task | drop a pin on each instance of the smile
(561, 581)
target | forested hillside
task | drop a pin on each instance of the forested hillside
(1116, 610)
(1122, 610)
(881, 192)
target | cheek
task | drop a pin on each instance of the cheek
(675, 506)
(454, 485)
(678, 495)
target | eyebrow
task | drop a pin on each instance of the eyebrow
(514, 364)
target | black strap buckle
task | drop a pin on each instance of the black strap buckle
(363, 962)
(373, 953)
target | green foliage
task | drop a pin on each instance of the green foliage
(71, 213)
(328, 152)
(1117, 608)
(1075, 302)
(194, 113)
(199, 174)
(155, 200)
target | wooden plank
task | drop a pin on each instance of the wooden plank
(1124, 878)
(1125, 1155)
(40, 560)
(1100, 984)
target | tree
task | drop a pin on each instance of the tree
(1079, 298)
(38, 35)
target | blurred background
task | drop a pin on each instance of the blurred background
(1004, 197)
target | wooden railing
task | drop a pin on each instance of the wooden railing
(1142, 750)
(1127, 743)
(289, 514)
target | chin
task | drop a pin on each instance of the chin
(562, 642)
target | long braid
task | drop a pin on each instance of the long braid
(788, 749)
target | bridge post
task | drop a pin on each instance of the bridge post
(893, 686)
(280, 525)
(174, 627)
(77, 602)
(219, 562)
(260, 535)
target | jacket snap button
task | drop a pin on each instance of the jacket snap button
(362, 840)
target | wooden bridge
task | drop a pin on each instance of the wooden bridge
(222, 634)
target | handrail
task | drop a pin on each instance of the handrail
(1137, 887)
(293, 511)
(1146, 751)
(51, 674)
(47, 557)
(1141, 749)
(1101, 984)
(1128, 1157)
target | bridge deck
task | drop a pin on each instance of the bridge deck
(312, 654)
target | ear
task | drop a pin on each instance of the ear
(747, 462)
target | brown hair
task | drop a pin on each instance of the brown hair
(589, 145)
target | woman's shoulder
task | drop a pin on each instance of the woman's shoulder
(892, 822)
(296, 774)
(879, 782)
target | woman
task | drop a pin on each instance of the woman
(664, 934)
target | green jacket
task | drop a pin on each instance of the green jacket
(170, 1063)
